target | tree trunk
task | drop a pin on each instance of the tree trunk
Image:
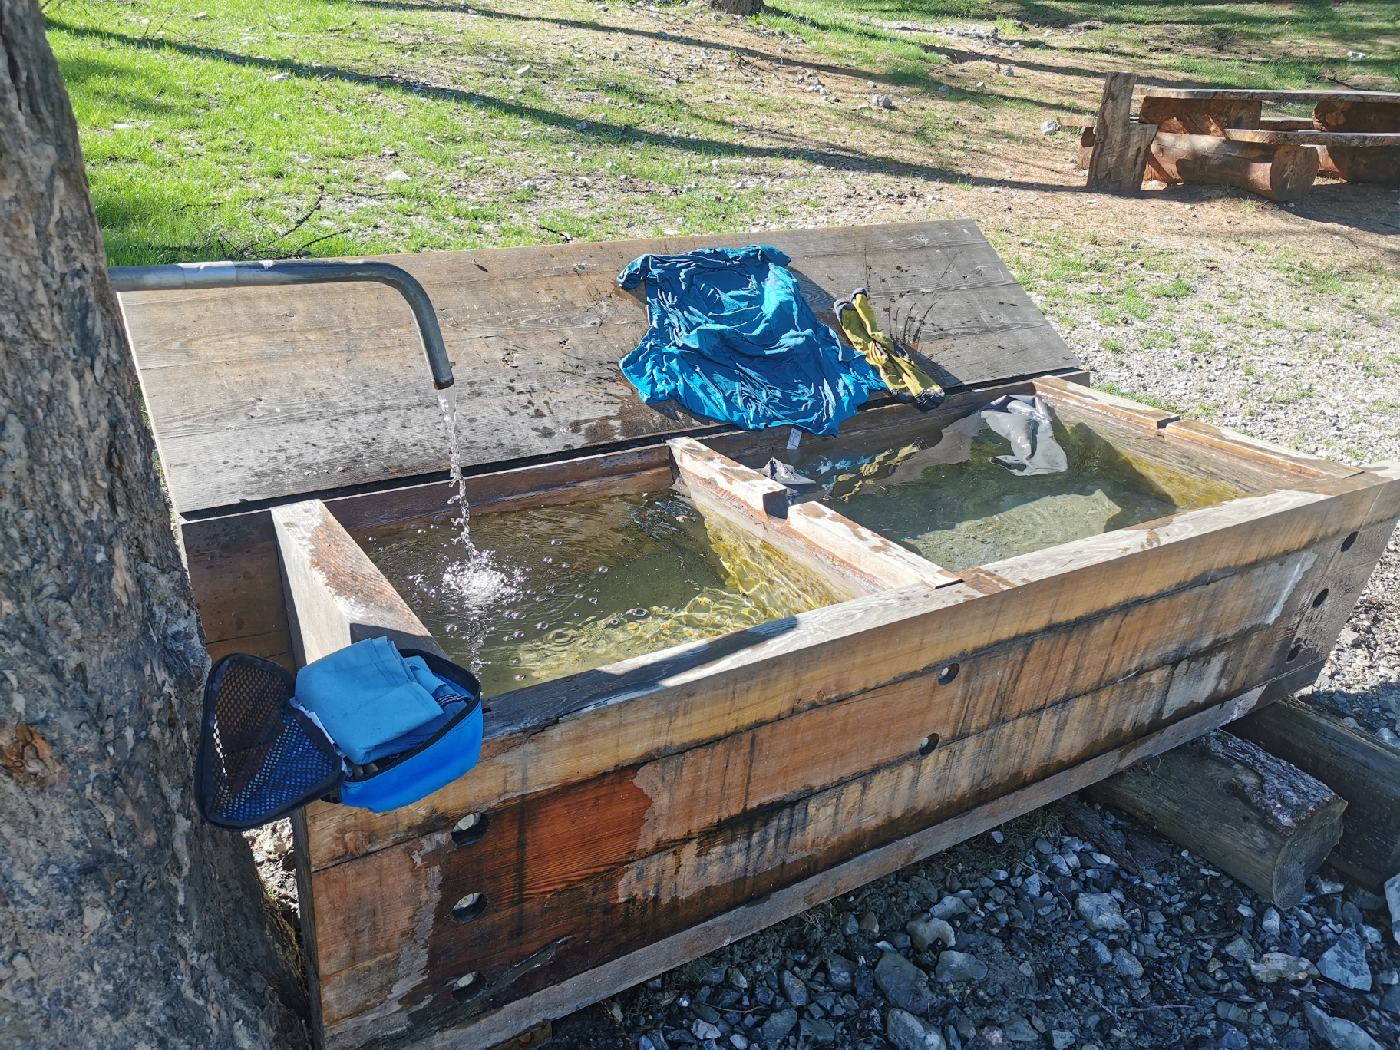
(1119, 146)
(125, 921)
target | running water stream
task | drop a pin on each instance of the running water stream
(447, 402)
(469, 574)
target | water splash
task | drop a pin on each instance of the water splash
(470, 578)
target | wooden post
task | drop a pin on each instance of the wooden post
(1363, 770)
(1249, 813)
(1120, 145)
(1280, 173)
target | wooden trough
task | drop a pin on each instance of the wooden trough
(626, 819)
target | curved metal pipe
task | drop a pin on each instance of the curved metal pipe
(310, 271)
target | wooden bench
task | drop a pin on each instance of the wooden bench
(1221, 136)
(1356, 134)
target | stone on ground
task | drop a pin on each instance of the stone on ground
(924, 932)
(907, 1032)
(903, 983)
(1345, 963)
(959, 966)
(1337, 1032)
(1100, 911)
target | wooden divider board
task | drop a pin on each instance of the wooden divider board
(262, 393)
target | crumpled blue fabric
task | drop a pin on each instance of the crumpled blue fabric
(732, 338)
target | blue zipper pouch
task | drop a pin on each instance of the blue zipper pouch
(368, 726)
(430, 755)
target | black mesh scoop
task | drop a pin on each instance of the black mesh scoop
(259, 757)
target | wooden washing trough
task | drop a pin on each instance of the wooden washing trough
(628, 818)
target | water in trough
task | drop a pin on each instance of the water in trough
(944, 494)
(554, 590)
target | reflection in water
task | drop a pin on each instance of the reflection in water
(569, 588)
(951, 498)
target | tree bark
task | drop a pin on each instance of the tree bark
(125, 921)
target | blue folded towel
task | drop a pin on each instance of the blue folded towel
(371, 701)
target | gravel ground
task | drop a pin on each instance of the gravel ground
(1066, 928)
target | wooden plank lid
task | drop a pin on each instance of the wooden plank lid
(259, 394)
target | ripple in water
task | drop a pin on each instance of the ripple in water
(552, 591)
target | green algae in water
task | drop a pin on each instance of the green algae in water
(945, 496)
(555, 590)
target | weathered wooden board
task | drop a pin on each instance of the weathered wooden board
(583, 810)
(541, 852)
(649, 707)
(263, 393)
(815, 535)
(1309, 137)
(561, 930)
(753, 915)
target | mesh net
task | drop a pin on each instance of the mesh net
(259, 757)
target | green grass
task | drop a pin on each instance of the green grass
(1138, 396)
(267, 127)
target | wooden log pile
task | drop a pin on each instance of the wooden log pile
(1221, 137)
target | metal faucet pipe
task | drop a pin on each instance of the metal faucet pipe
(310, 271)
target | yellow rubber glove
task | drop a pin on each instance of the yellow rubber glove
(900, 372)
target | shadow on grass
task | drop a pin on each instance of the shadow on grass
(874, 34)
(114, 82)
(1362, 206)
(661, 36)
(839, 158)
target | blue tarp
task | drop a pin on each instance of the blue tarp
(732, 339)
